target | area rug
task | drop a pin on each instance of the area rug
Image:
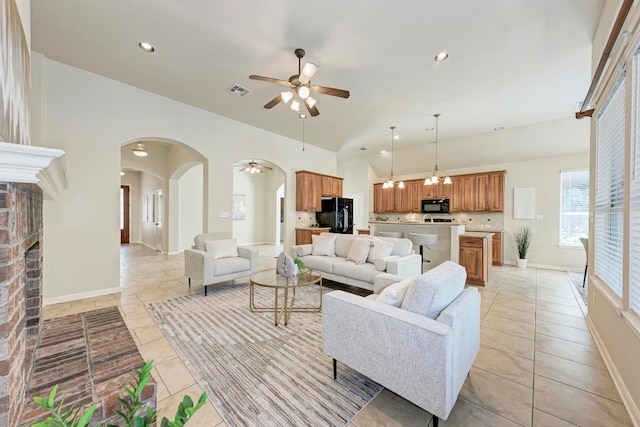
(256, 373)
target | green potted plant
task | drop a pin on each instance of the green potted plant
(523, 236)
(300, 265)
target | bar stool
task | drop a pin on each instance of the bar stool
(397, 234)
(423, 240)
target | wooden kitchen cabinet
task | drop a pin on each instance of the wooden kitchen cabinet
(331, 186)
(475, 257)
(311, 187)
(496, 247)
(303, 235)
(482, 192)
(308, 191)
(495, 191)
(383, 198)
(463, 198)
(414, 188)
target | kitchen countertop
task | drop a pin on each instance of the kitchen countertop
(438, 224)
(483, 230)
(313, 228)
(477, 234)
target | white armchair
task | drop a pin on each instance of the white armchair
(215, 258)
(422, 348)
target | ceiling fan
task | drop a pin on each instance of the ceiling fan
(253, 167)
(300, 88)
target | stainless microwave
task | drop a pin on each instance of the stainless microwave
(435, 206)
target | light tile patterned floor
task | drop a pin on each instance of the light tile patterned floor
(537, 366)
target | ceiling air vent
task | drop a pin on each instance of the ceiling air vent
(239, 90)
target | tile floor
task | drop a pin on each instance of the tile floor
(537, 366)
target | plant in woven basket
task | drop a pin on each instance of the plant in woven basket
(523, 236)
(133, 413)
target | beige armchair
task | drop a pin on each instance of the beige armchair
(215, 258)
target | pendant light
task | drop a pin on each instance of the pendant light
(139, 150)
(391, 181)
(436, 177)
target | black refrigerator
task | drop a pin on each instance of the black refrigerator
(337, 214)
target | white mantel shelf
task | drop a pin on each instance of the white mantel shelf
(35, 165)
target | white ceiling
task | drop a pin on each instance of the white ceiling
(512, 62)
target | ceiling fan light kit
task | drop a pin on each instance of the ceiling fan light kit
(436, 177)
(300, 87)
(253, 168)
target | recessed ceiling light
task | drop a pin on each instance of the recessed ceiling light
(383, 151)
(498, 128)
(146, 46)
(441, 56)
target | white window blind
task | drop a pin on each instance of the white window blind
(634, 202)
(574, 206)
(609, 198)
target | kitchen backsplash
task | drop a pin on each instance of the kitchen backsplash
(480, 221)
(305, 219)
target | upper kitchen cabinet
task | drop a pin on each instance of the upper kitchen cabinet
(383, 198)
(414, 189)
(463, 193)
(331, 186)
(308, 191)
(495, 191)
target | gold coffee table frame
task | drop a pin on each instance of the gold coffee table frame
(271, 279)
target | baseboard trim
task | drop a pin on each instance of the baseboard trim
(627, 400)
(83, 295)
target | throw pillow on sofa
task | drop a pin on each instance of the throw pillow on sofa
(379, 249)
(225, 248)
(359, 250)
(323, 245)
(434, 290)
(394, 294)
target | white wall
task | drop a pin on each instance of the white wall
(149, 184)
(189, 207)
(89, 117)
(246, 184)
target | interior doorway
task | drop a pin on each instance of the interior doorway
(125, 220)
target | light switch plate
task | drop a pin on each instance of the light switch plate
(539, 217)
(223, 214)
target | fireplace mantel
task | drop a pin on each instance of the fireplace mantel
(37, 165)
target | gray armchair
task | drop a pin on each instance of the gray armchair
(422, 350)
(211, 267)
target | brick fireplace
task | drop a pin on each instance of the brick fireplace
(20, 290)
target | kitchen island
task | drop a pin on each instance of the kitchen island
(447, 247)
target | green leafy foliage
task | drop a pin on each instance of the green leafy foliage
(132, 413)
(299, 263)
(523, 236)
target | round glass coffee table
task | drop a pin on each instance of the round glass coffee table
(283, 309)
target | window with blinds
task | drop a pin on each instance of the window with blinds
(634, 202)
(609, 198)
(574, 206)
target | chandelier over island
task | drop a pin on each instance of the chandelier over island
(436, 177)
(391, 181)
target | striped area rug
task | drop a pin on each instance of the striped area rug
(256, 373)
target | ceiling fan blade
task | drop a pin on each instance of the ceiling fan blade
(331, 91)
(312, 110)
(270, 80)
(275, 101)
(308, 71)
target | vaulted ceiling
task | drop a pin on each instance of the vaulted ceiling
(512, 63)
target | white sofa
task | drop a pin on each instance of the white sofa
(399, 260)
(215, 258)
(421, 350)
